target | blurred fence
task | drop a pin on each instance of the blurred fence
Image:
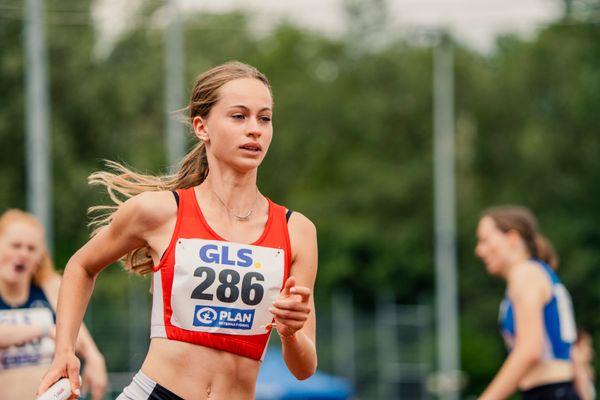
(385, 352)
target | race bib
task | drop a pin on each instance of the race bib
(224, 287)
(37, 352)
(566, 319)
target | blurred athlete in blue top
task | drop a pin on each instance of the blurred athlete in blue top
(536, 315)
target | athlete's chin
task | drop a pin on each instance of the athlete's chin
(248, 165)
(493, 270)
(15, 278)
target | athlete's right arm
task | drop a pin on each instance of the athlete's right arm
(131, 226)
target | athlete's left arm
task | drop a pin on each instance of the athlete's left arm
(95, 377)
(294, 311)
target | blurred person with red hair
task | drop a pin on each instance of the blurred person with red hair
(536, 316)
(29, 288)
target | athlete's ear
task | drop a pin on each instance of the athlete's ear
(200, 128)
(514, 237)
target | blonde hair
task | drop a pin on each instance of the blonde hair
(123, 183)
(45, 268)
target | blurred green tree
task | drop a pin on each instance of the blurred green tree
(352, 150)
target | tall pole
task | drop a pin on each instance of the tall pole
(445, 229)
(386, 333)
(175, 139)
(344, 347)
(37, 143)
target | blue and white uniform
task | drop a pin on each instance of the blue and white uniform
(35, 311)
(559, 324)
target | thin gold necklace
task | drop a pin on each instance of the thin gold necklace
(241, 218)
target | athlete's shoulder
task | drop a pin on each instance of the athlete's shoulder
(528, 280)
(301, 223)
(50, 285)
(303, 235)
(527, 271)
(150, 208)
(50, 288)
(158, 199)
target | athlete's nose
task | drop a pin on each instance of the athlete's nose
(254, 130)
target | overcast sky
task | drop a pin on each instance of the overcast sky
(475, 22)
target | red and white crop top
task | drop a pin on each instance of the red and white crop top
(217, 293)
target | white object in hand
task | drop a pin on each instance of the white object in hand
(61, 390)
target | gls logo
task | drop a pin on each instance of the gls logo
(212, 253)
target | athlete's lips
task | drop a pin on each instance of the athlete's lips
(252, 146)
(19, 268)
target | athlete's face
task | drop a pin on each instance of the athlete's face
(493, 246)
(238, 129)
(21, 250)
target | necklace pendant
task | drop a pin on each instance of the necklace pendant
(243, 218)
(239, 218)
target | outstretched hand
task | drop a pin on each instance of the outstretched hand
(291, 309)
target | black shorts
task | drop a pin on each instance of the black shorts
(144, 388)
(551, 391)
(161, 393)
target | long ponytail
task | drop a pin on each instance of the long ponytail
(545, 251)
(123, 183)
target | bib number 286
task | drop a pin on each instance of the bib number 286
(229, 290)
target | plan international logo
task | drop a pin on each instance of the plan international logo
(223, 317)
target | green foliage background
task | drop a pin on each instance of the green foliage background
(352, 151)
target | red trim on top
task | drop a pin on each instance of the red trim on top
(288, 250)
(192, 224)
(171, 245)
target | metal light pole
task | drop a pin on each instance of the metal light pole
(37, 146)
(175, 139)
(445, 220)
(343, 334)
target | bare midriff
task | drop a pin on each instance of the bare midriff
(197, 372)
(547, 372)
